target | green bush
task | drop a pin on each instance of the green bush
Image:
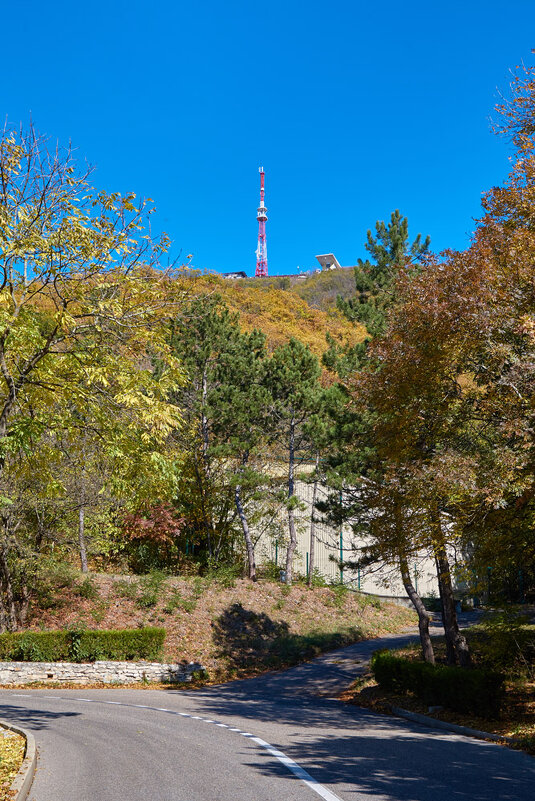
(126, 589)
(82, 645)
(150, 587)
(461, 689)
(35, 646)
(87, 589)
(50, 580)
(505, 641)
(224, 575)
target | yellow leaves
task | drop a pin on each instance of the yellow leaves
(279, 314)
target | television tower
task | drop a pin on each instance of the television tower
(261, 248)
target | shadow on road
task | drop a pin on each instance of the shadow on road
(34, 718)
(408, 767)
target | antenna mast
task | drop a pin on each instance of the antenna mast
(261, 248)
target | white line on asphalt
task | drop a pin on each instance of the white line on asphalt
(298, 771)
(289, 763)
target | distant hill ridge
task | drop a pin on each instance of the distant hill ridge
(305, 309)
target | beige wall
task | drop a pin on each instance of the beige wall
(377, 580)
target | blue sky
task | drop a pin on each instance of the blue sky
(354, 109)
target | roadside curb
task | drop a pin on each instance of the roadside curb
(433, 723)
(23, 780)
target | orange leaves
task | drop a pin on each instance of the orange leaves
(279, 314)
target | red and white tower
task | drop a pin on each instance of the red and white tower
(261, 216)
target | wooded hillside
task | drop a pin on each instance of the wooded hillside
(281, 313)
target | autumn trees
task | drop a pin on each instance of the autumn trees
(139, 413)
(448, 390)
(80, 318)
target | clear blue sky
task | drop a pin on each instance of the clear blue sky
(353, 108)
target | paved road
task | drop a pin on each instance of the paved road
(281, 736)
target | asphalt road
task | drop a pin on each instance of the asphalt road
(281, 736)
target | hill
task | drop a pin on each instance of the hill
(231, 626)
(319, 289)
(282, 313)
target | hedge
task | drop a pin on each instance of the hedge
(82, 645)
(461, 689)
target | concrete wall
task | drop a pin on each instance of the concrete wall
(100, 671)
(376, 580)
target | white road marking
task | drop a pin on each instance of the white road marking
(289, 763)
(298, 771)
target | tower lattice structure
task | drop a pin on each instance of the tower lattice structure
(261, 248)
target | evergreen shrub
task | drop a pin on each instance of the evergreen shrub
(82, 645)
(462, 689)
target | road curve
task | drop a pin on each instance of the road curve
(268, 738)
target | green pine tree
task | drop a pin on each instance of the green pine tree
(374, 279)
(293, 380)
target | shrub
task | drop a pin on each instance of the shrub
(269, 570)
(150, 587)
(177, 601)
(82, 645)
(224, 575)
(126, 589)
(339, 595)
(87, 589)
(461, 689)
(505, 641)
(50, 580)
(35, 646)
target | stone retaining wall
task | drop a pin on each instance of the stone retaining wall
(108, 672)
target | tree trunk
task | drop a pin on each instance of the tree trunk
(292, 545)
(81, 540)
(423, 615)
(450, 650)
(456, 646)
(8, 608)
(312, 547)
(81, 523)
(209, 524)
(251, 565)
